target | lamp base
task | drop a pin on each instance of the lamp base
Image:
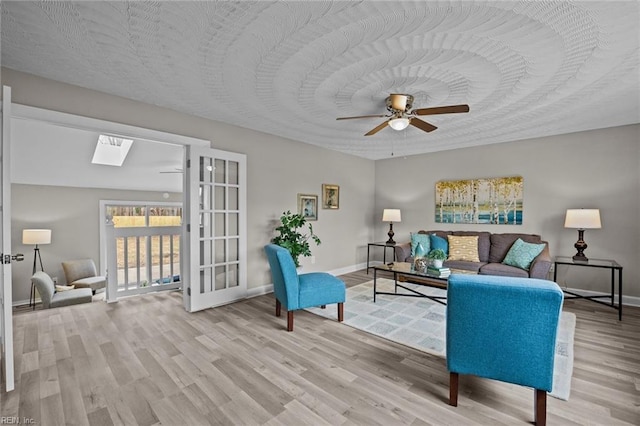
(581, 246)
(390, 234)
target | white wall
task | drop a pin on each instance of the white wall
(278, 169)
(594, 169)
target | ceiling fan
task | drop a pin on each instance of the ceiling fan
(401, 115)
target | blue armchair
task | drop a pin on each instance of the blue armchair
(503, 328)
(295, 291)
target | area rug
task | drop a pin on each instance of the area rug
(420, 323)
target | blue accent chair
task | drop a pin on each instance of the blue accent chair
(503, 328)
(295, 291)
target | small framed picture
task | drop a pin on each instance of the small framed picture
(308, 206)
(330, 196)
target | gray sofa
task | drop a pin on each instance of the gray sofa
(492, 249)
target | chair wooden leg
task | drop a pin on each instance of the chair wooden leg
(278, 308)
(541, 407)
(340, 312)
(453, 389)
(289, 320)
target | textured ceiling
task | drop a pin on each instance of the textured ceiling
(526, 68)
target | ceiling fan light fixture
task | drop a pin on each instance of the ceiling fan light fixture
(399, 123)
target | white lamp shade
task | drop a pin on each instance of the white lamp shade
(36, 236)
(583, 219)
(399, 123)
(391, 215)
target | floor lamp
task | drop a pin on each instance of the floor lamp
(35, 236)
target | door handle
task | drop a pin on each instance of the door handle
(6, 258)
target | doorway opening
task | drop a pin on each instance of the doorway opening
(140, 246)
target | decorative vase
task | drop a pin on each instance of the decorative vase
(420, 264)
(419, 251)
(437, 263)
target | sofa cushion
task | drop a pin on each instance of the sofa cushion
(521, 254)
(502, 270)
(439, 243)
(463, 248)
(463, 264)
(423, 239)
(484, 242)
(501, 243)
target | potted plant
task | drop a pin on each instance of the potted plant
(437, 256)
(294, 235)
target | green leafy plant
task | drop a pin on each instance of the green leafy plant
(294, 235)
(437, 254)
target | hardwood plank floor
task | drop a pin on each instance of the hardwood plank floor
(145, 361)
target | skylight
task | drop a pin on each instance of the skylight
(111, 150)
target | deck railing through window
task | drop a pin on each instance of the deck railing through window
(142, 259)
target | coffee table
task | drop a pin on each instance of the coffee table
(407, 269)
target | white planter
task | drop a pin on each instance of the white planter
(437, 263)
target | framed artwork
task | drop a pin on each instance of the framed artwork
(494, 200)
(330, 196)
(308, 206)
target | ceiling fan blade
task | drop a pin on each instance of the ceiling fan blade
(422, 125)
(441, 110)
(362, 116)
(377, 129)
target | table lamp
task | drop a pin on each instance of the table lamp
(582, 219)
(391, 215)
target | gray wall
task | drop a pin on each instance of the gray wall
(278, 169)
(594, 169)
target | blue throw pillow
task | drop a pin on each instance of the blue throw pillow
(439, 243)
(521, 254)
(423, 239)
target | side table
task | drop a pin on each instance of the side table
(384, 253)
(595, 263)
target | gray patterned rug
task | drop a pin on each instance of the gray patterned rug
(420, 323)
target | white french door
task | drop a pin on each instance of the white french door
(6, 298)
(215, 183)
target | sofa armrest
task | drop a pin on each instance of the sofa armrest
(541, 265)
(402, 251)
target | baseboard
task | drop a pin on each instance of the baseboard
(259, 291)
(268, 288)
(626, 300)
(23, 302)
(349, 269)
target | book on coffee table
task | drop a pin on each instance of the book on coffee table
(438, 272)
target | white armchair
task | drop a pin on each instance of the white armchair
(82, 273)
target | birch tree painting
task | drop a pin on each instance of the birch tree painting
(493, 200)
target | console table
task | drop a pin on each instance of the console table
(384, 254)
(594, 263)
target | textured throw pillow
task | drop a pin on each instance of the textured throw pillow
(521, 254)
(423, 239)
(463, 248)
(438, 243)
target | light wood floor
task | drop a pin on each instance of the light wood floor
(146, 361)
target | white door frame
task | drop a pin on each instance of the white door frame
(93, 124)
(6, 297)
